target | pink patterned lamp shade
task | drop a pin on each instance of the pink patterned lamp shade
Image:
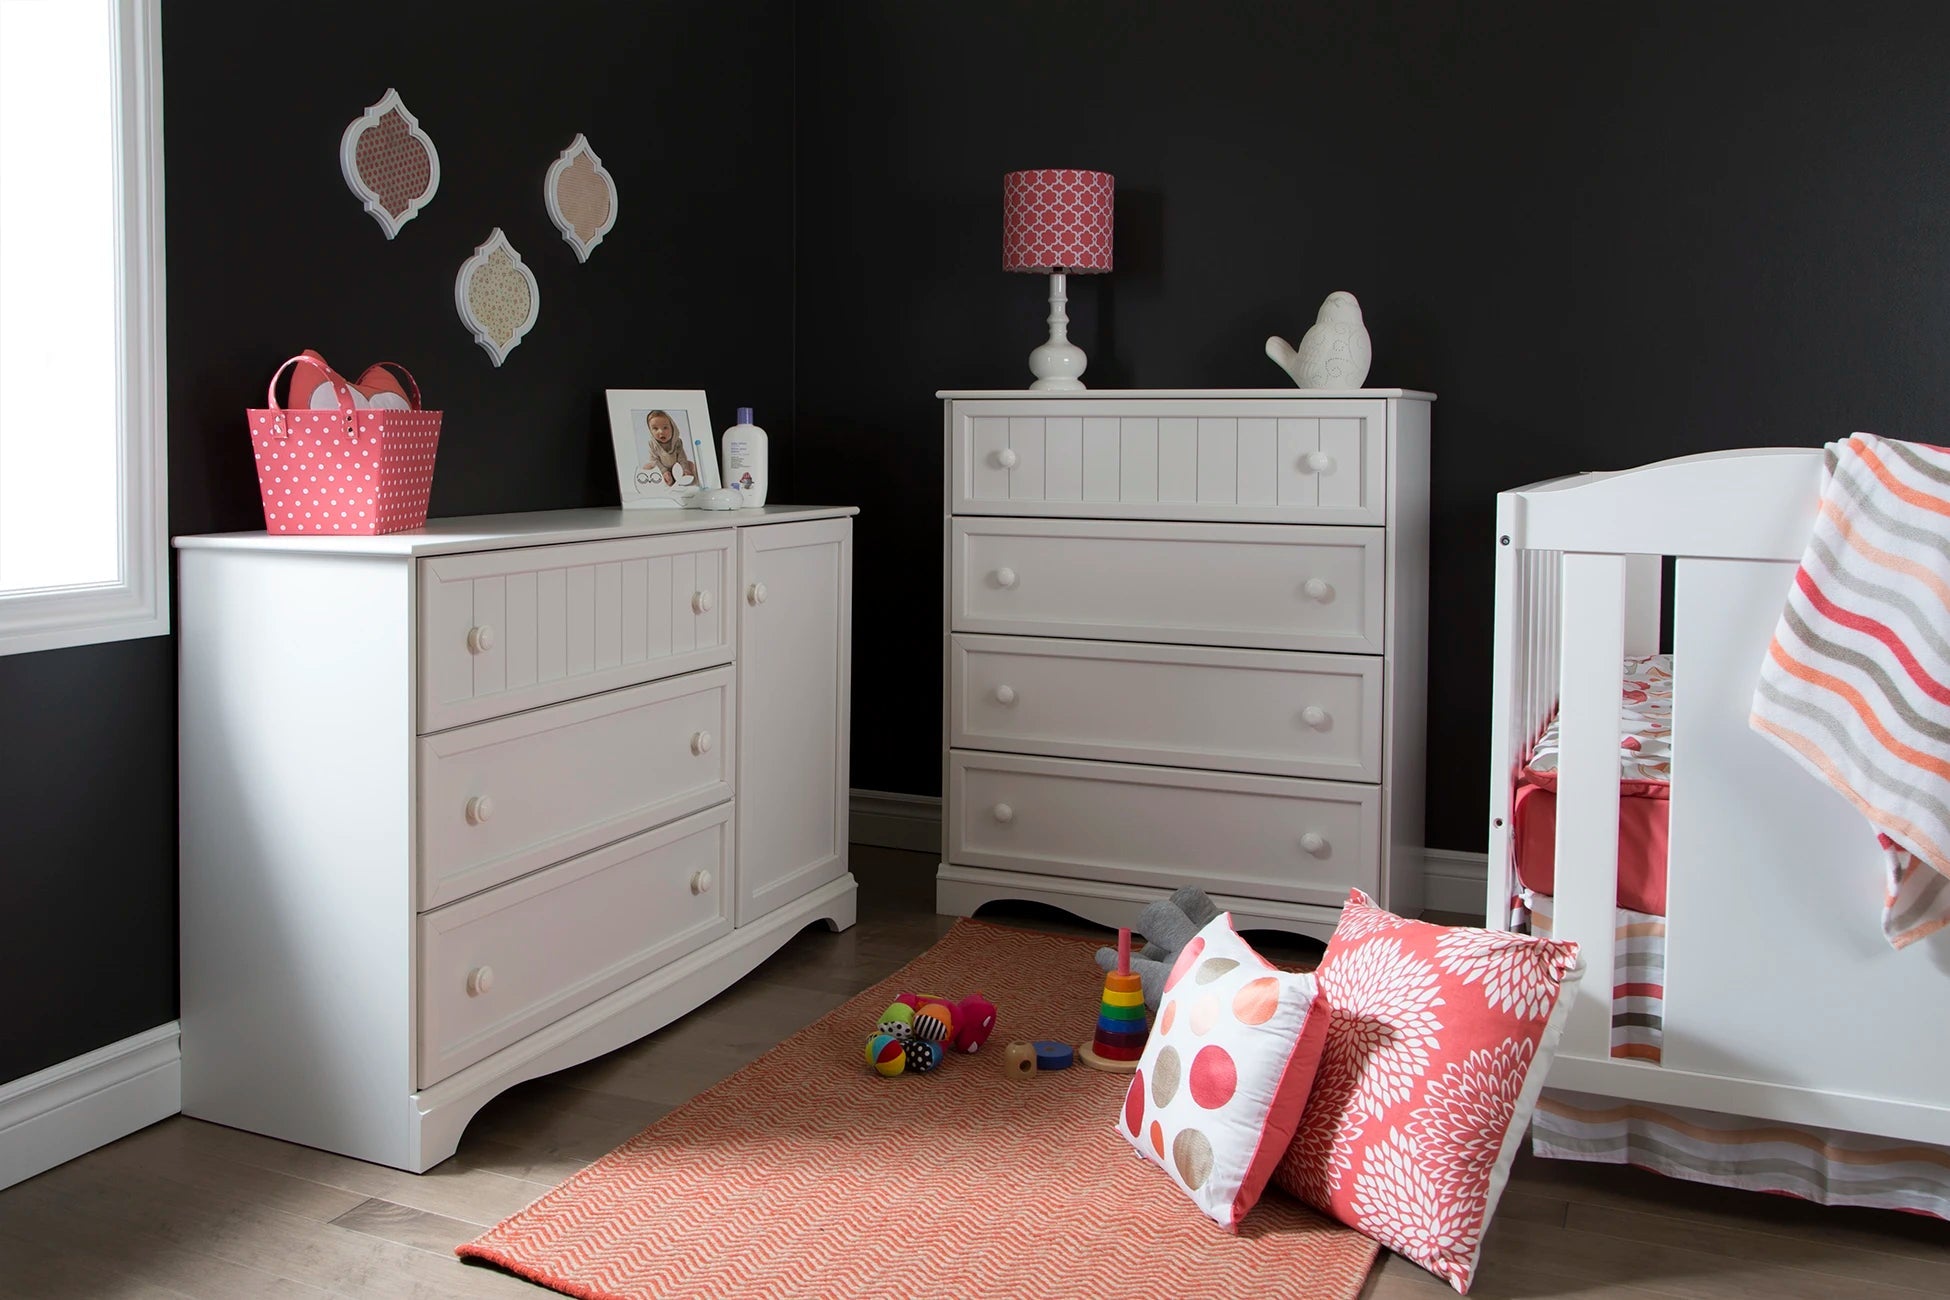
(1057, 219)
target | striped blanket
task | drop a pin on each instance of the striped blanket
(1856, 685)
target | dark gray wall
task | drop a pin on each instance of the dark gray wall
(689, 103)
(1604, 234)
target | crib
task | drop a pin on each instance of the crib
(1780, 1004)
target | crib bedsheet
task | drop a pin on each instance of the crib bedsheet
(1645, 787)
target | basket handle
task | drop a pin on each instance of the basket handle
(411, 384)
(339, 389)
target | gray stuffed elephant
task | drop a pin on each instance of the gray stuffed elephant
(1167, 926)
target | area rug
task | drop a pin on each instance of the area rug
(806, 1174)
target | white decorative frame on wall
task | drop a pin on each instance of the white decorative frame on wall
(495, 245)
(579, 147)
(349, 162)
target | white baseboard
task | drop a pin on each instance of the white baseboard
(73, 1107)
(896, 821)
(1454, 881)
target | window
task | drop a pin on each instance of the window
(83, 545)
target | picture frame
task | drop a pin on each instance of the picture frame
(666, 449)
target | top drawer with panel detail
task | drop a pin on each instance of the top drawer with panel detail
(503, 631)
(1248, 461)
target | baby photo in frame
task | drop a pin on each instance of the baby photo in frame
(665, 451)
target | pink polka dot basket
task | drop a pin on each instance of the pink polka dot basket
(343, 458)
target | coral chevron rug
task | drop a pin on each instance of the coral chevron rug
(805, 1174)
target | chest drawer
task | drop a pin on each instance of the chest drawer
(502, 631)
(1258, 836)
(502, 964)
(1286, 461)
(1268, 587)
(501, 798)
(1183, 706)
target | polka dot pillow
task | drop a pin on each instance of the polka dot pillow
(1438, 1041)
(1225, 1073)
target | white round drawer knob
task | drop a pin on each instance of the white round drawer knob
(480, 639)
(757, 594)
(1003, 813)
(701, 602)
(1320, 462)
(1005, 578)
(1318, 589)
(479, 809)
(701, 882)
(1005, 695)
(1315, 843)
(701, 743)
(1314, 716)
(479, 980)
(1007, 458)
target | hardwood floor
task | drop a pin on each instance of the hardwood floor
(191, 1209)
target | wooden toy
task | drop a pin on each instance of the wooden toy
(1053, 1055)
(1019, 1059)
(1121, 1024)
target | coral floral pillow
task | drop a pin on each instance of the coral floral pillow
(1225, 1073)
(1438, 1041)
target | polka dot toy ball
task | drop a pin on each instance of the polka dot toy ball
(887, 1054)
(897, 1019)
(1224, 1078)
(922, 1055)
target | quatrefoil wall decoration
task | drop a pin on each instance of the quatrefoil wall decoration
(390, 163)
(581, 197)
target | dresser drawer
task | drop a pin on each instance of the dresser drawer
(1278, 588)
(1232, 710)
(502, 631)
(507, 962)
(1291, 460)
(1258, 836)
(501, 798)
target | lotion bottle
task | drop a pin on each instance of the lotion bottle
(746, 460)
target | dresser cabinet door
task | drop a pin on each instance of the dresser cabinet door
(794, 668)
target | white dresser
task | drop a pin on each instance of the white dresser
(1186, 642)
(470, 804)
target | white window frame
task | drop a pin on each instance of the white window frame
(138, 605)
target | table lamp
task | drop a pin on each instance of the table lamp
(1057, 220)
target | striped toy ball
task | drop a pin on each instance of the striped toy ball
(897, 1020)
(922, 1055)
(886, 1054)
(934, 1022)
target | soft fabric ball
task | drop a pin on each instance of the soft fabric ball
(887, 1054)
(922, 1055)
(897, 1019)
(935, 1021)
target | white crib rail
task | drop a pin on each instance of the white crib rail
(1782, 1000)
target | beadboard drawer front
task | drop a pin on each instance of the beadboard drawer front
(1264, 461)
(1282, 588)
(1183, 706)
(499, 799)
(1257, 836)
(502, 631)
(504, 963)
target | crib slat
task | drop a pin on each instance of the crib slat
(1509, 705)
(1592, 645)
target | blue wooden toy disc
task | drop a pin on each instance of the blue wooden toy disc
(1054, 1056)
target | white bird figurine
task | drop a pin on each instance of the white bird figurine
(1335, 353)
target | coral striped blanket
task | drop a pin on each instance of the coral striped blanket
(1856, 685)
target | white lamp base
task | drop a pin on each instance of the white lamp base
(1057, 363)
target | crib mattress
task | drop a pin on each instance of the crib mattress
(1644, 790)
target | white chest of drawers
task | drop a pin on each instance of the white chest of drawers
(467, 805)
(1185, 642)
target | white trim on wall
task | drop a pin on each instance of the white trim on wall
(1453, 881)
(71, 1108)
